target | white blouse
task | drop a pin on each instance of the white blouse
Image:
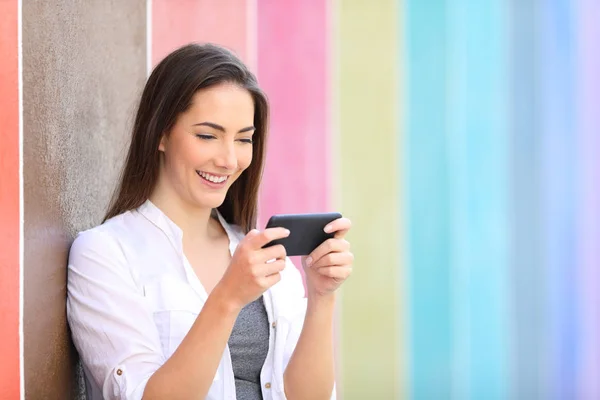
(133, 296)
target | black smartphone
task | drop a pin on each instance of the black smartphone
(306, 231)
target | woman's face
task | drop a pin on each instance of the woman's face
(209, 146)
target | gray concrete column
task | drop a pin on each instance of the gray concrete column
(84, 65)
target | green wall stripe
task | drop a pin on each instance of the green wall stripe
(367, 72)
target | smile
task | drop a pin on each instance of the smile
(212, 178)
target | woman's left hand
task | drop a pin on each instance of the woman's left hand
(330, 264)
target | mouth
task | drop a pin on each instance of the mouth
(213, 180)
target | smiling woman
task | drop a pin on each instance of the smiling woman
(174, 296)
(221, 87)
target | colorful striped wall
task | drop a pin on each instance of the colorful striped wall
(462, 137)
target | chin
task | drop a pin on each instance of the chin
(209, 201)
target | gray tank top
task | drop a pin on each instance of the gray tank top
(248, 345)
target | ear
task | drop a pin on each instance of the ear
(163, 142)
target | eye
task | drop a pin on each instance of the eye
(205, 137)
(246, 140)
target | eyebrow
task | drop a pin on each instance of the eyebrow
(220, 128)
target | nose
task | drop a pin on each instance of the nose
(227, 158)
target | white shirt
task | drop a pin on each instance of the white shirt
(133, 296)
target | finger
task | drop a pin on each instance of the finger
(328, 246)
(259, 239)
(340, 272)
(250, 237)
(341, 234)
(344, 258)
(271, 268)
(340, 226)
(270, 280)
(260, 271)
(276, 252)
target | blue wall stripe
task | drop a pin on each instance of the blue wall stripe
(478, 143)
(557, 124)
(527, 277)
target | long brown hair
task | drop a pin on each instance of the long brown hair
(167, 94)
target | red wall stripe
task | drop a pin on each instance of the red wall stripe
(9, 202)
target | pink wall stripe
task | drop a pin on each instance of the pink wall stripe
(175, 23)
(589, 196)
(293, 46)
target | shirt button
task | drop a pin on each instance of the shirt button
(274, 324)
(268, 385)
(119, 372)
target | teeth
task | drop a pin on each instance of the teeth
(212, 178)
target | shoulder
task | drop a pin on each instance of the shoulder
(104, 241)
(107, 231)
(101, 258)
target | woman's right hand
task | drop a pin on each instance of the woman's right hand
(249, 274)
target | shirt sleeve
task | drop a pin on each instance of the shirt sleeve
(111, 324)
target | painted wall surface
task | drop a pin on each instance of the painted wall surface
(368, 177)
(83, 68)
(175, 23)
(429, 212)
(9, 202)
(461, 137)
(298, 170)
(587, 73)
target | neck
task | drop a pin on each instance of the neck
(194, 222)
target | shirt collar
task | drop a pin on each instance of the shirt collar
(174, 232)
(234, 238)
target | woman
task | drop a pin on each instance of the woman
(173, 296)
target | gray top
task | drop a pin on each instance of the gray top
(248, 345)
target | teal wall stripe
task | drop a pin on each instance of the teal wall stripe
(427, 200)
